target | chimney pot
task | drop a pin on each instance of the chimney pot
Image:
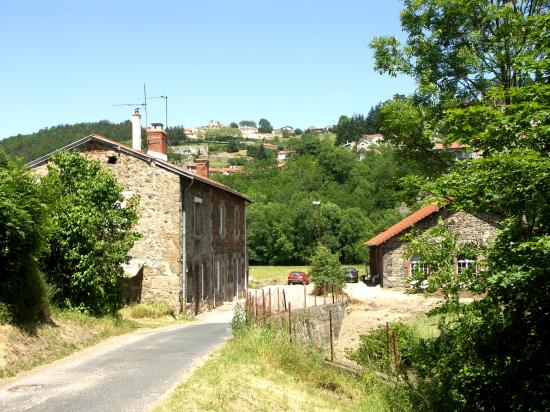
(136, 130)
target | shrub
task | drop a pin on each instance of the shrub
(91, 234)
(326, 268)
(154, 309)
(23, 233)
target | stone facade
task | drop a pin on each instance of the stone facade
(192, 250)
(470, 229)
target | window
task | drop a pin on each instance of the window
(197, 216)
(462, 264)
(222, 220)
(418, 266)
(237, 223)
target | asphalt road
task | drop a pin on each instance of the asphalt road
(130, 374)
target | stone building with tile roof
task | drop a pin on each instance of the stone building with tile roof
(386, 249)
(192, 250)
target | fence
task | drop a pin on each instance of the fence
(308, 317)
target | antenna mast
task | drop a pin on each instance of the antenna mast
(165, 108)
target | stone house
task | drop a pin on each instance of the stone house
(193, 246)
(386, 249)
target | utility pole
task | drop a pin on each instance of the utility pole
(318, 204)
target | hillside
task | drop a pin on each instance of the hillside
(25, 148)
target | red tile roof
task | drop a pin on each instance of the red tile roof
(403, 225)
(452, 146)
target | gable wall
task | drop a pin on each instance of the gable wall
(471, 229)
(159, 224)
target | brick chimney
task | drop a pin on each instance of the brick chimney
(157, 140)
(202, 166)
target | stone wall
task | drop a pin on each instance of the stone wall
(470, 228)
(216, 261)
(312, 325)
(159, 248)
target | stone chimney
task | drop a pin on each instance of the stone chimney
(202, 166)
(136, 130)
(157, 140)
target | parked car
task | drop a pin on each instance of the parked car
(298, 278)
(351, 275)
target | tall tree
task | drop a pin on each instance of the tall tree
(264, 126)
(247, 123)
(459, 48)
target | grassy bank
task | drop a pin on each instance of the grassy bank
(68, 332)
(260, 370)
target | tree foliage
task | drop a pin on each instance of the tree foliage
(326, 268)
(264, 126)
(90, 236)
(483, 75)
(23, 240)
(358, 199)
(247, 123)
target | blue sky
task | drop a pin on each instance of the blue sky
(300, 62)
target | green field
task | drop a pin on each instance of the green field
(277, 275)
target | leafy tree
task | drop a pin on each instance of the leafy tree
(247, 123)
(459, 48)
(264, 126)
(351, 129)
(484, 66)
(234, 125)
(176, 135)
(232, 147)
(298, 132)
(91, 233)
(326, 268)
(23, 240)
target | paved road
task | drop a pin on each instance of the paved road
(128, 375)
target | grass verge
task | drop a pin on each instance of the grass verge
(260, 370)
(271, 275)
(69, 331)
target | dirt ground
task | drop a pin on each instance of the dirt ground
(371, 307)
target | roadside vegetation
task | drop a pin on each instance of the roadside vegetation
(258, 369)
(68, 331)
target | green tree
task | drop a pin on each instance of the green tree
(264, 126)
(23, 240)
(485, 67)
(247, 123)
(459, 48)
(233, 125)
(91, 233)
(176, 135)
(326, 268)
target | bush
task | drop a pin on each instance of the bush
(23, 233)
(90, 234)
(326, 268)
(154, 309)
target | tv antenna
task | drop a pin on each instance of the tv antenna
(165, 108)
(144, 104)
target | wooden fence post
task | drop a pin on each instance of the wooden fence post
(395, 349)
(333, 293)
(263, 304)
(314, 298)
(305, 297)
(388, 346)
(269, 300)
(256, 306)
(284, 300)
(331, 343)
(289, 322)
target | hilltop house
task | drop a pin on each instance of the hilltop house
(193, 246)
(386, 249)
(461, 151)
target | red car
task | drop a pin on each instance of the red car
(299, 278)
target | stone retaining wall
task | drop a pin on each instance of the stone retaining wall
(312, 325)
